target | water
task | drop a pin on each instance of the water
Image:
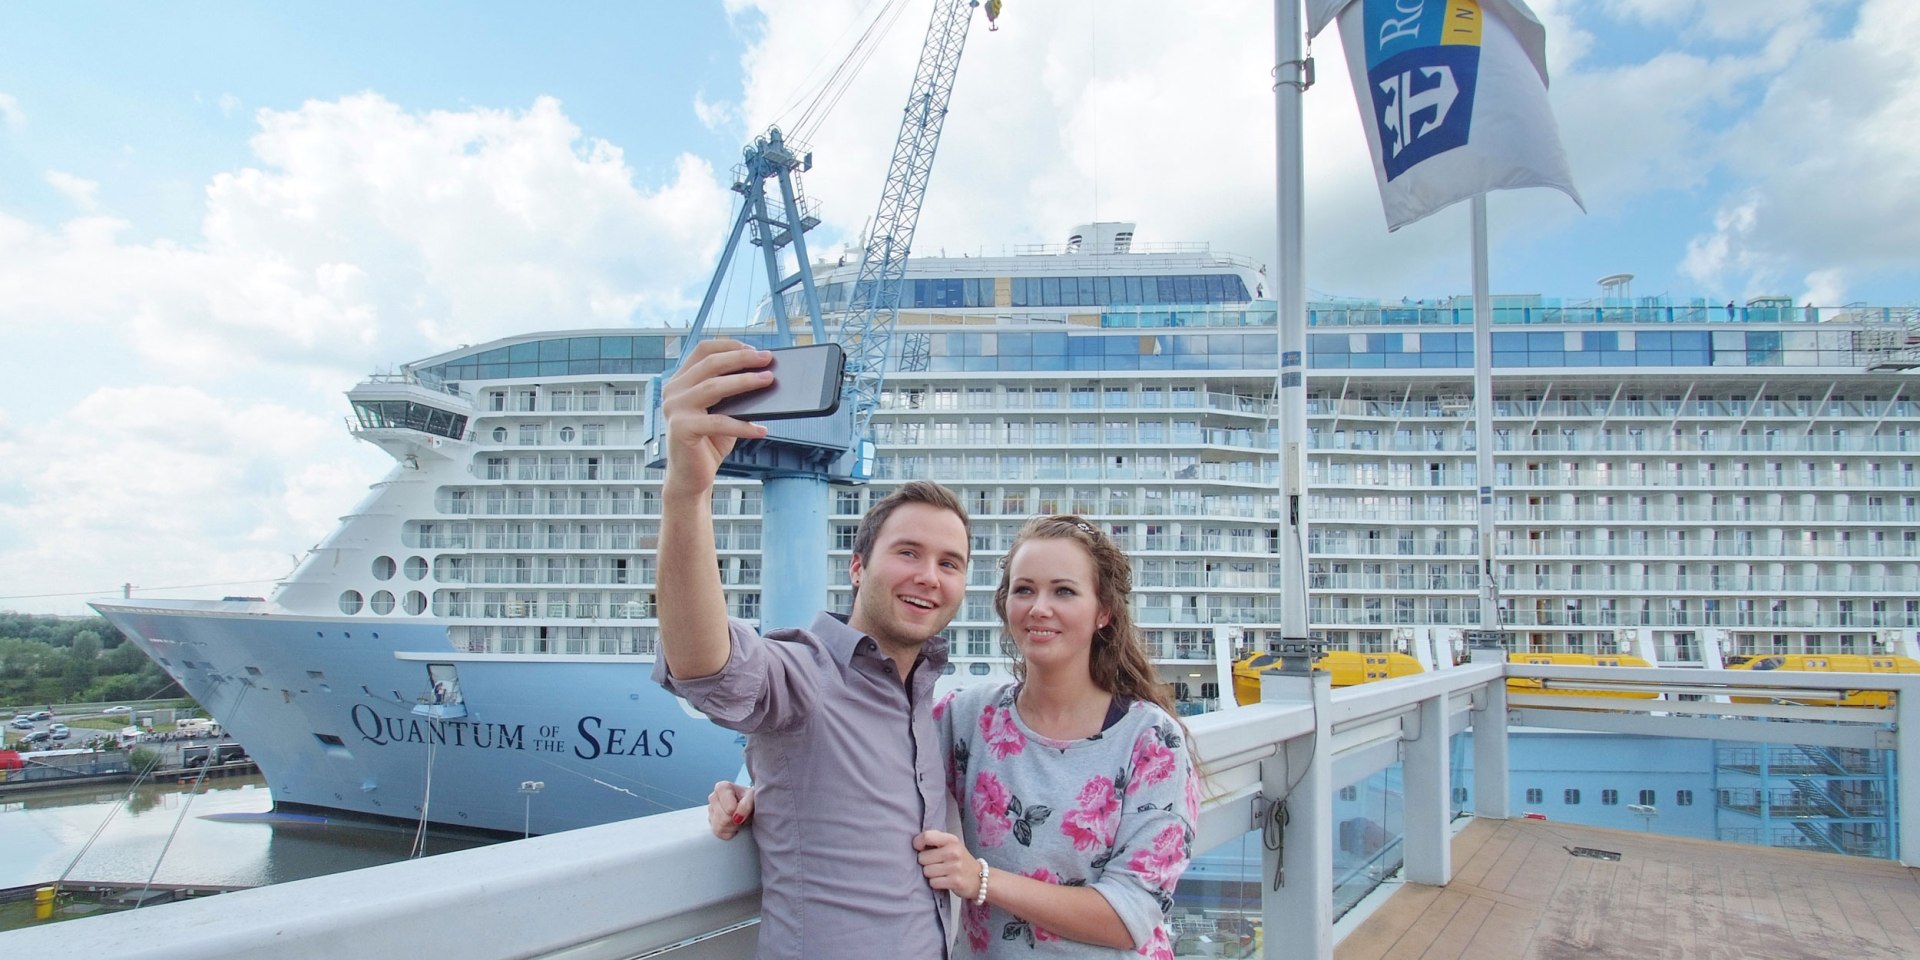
(42, 832)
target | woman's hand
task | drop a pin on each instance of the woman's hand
(947, 864)
(729, 807)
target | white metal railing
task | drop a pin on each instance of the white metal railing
(661, 884)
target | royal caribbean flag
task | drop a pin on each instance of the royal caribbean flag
(1454, 97)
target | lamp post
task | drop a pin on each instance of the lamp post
(1646, 814)
(527, 789)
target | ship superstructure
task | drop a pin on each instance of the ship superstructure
(1685, 482)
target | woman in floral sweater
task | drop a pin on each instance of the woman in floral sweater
(1075, 783)
(1076, 786)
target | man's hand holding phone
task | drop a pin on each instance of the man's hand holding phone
(698, 440)
(725, 386)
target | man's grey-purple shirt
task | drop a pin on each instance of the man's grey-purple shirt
(847, 768)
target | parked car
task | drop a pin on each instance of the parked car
(43, 715)
(21, 722)
(59, 731)
(118, 708)
(38, 736)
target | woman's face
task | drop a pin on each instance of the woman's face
(1052, 604)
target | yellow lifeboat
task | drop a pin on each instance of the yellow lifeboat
(1832, 663)
(1348, 667)
(1529, 685)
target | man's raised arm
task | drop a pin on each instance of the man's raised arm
(692, 606)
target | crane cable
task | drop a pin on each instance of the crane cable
(836, 84)
(806, 85)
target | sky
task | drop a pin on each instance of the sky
(216, 218)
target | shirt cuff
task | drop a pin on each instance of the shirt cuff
(732, 693)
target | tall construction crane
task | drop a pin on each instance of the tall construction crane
(867, 328)
(799, 458)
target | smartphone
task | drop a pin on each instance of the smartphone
(806, 383)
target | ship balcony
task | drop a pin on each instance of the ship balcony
(1679, 550)
(1760, 516)
(662, 886)
(1319, 441)
(1700, 583)
(914, 404)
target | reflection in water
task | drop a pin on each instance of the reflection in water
(42, 833)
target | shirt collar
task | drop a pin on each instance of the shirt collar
(844, 641)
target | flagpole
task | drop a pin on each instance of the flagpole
(1298, 784)
(1290, 296)
(1483, 414)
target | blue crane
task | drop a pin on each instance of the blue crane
(798, 459)
(866, 330)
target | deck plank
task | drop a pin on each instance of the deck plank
(1518, 893)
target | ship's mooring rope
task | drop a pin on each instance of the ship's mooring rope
(198, 785)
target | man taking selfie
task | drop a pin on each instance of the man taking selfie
(838, 714)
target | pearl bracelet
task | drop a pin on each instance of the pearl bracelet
(980, 899)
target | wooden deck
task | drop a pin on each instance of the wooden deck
(1518, 893)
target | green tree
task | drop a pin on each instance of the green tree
(86, 645)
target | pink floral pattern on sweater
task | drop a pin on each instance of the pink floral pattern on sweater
(1002, 735)
(1114, 812)
(989, 805)
(1092, 823)
(1153, 762)
(974, 920)
(1158, 946)
(1162, 863)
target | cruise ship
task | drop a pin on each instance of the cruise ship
(1685, 482)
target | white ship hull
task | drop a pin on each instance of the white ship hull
(604, 739)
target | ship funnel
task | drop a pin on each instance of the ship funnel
(1109, 237)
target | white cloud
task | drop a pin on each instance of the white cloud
(84, 193)
(714, 115)
(365, 235)
(371, 233)
(1713, 258)
(168, 486)
(1117, 109)
(1833, 147)
(10, 112)
(229, 104)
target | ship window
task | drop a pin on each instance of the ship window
(566, 434)
(330, 740)
(1646, 798)
(1573, 798)
(979, 669)
(1609, 798)
(383, 568)
(947, 670)
(1459, 794)
(416, 602)
(381, 603)
(350, 601)
(499, 434)
(416, 568)
(1349, 793)
(1683, 797)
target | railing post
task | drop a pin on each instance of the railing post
(1429, 856)
(1906, 767)
(1492, 794)
(1298, 914)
